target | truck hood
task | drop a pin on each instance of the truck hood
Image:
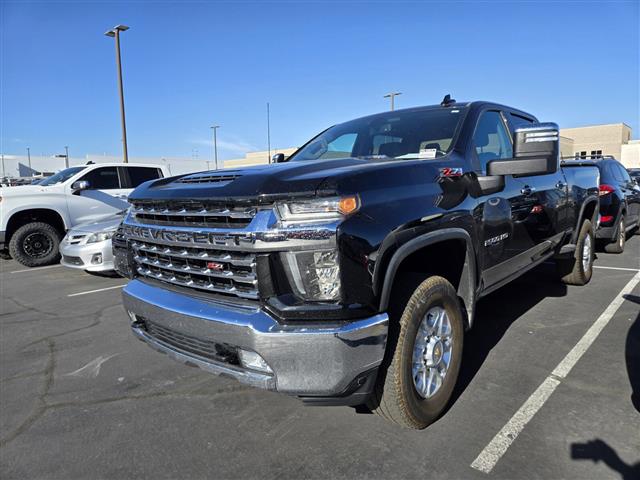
(25, 190)
(264, 182)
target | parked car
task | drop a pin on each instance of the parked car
(619, 204)
(88, 246)
(349, 273)
(634, 173)
(34, 218)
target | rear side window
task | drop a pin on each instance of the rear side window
(518, 121)
(623, 173)
(138, 175)
(104, 178)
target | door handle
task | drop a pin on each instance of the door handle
(561, 185)
(527, 190)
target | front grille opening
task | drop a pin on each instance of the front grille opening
(189, 213)
(219, 271)
(72, 260)
(208, 349)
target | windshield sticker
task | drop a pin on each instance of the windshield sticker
(427, 153)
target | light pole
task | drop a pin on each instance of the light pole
(268, 135)
(115, 32)
(29, 159)
(392, 95)
(215, 144)
(66, 156)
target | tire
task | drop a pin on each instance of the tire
(579, 269)
(35, 244)
(396, 396)
(617, 246)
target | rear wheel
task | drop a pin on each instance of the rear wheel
(579, 269)
(35, 244)
(423, 358)
(617, 246)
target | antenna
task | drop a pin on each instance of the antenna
(447, 100)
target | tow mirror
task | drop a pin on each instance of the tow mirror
(80, 185)
(535, 152)
(277, 158)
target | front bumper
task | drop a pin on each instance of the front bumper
(311, 360)
(81, 256)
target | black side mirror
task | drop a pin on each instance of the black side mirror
(535, 152)
(277, 158)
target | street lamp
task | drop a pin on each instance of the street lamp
(392, 95)
(29, 159)
(215, 144)
(115, 32)
(65, 156)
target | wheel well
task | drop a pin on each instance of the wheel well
(23, 217)
(445, 258)
(589, 212)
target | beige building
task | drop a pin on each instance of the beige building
(256, 158)
(611, 139)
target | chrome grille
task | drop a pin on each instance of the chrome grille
(232, 273)
(192, 214)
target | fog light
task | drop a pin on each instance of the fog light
(96, 259)
(253, 361)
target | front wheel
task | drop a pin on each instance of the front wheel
(35, 244)
(423, 357)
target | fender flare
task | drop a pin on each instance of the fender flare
(588, 201)
(467, 284)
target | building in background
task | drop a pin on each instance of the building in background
(610, 139)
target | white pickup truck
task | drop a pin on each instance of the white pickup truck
(34, 218)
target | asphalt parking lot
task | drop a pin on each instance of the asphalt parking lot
(81, 398)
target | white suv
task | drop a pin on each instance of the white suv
(33, 218)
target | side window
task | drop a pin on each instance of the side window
(105, 178)
(341, 146)
(491, 139)
(518, 121)
(138, 175)
(624, 174)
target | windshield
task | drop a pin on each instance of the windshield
(424, 134)
(61, 176)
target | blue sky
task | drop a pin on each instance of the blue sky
(188, 65)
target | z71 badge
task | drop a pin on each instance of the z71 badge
(451, 172)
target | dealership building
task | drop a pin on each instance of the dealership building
(610, 139)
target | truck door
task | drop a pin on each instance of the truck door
(105, 196)
(549, 216)
(504, 239)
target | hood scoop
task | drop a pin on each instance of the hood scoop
(216, 178)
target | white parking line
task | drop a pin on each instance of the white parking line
(35, 269)
(618, 268)
(492, 453)
(94, 291)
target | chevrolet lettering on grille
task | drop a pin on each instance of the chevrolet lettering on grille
(172, 236)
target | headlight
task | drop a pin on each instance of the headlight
(321, 209)
(101, 236)
(315, 275)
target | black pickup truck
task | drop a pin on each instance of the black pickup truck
(348, 274)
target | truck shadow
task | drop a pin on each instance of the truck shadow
(497, 311)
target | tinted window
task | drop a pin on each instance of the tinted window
(491, 139)
(138, 175)
(518, 121)
(105, 178)
(409, 134)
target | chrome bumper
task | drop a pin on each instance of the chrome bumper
(312, 360)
